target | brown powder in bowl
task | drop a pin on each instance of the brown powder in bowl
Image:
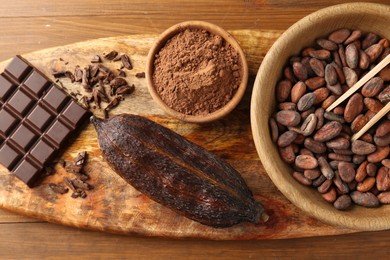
(197, 72)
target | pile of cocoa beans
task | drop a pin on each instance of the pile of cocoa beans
(316, 143)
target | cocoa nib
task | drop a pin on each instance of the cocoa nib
(140, 75)
(58, 188)
(126, 62)
(125, 90)
(122, 74)
(111, 55)
(78, 74)
(80, 158)
(96, 59)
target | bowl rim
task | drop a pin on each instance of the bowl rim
(343, 219)
(214, 29)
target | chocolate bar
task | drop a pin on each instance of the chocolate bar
(36, 119)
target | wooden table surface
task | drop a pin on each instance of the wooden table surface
(27, 26)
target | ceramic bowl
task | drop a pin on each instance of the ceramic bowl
(160, 43)
(363, 16)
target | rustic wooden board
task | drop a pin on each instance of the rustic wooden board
(114, 206)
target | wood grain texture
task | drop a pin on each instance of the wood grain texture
(115, 206)
(31, 26)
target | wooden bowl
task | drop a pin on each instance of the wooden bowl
(161, 41)
(364, 16)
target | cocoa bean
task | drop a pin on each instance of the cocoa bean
(384, 96)
(340, 73)
(327, 45)
(302, 179)
(371, 169)
(321, 95)
(346, 171)
(343, 151)
(341, 186)
(325, 168)
(287, 138)
(383, 129)
(386, 163)
(384, 197)
(334, 117)
(382, 141)
(328, 131)
(382, 152)
(330, 196)
(324, 187)
(287, 154)
(366, 184)
(383, 179)
(306, 162)
(297, 91)
(385, 73)
(350, 76)
(364, 60)
(300, 70)
(370, 39)
(307, 113)
(339, 157)
(339, 110)
(287, 106)
(355, 35)
(334, 164)
(358, 159)
(335, 89)
(328, 101)
(369, 114)
(338, 143)
(358, 123)
(299, 139)
(315, 83)
(365, 199)
(341, 52)
(361, 172)
(320, 54)
(367, 137)
(309, 125)
(373, 104)
(339, 36)
(288, 118)
(362, 148)
(352, 56)
(306, 101)
(374, 51)
(373, 87)
(320, 117)
(314, 146)
(312, 174)
(330, 75)
(343, 202)
(289, 74)
(317, 66)
(354, 107)
(274, 130)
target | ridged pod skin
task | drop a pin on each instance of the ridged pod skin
(175, 172)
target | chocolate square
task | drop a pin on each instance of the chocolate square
(21, 103)
(26, 172)
(40, 118)
(18, 69)
(7, 122)
(24, 137)
(6, 88)
(8, 156)
(58, 132)
(42, 152)
(36, 83)
(55, 99)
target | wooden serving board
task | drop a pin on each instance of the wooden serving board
(114, 206)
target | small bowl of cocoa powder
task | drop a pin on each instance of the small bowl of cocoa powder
(196, 72)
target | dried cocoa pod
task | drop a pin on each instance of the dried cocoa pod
(175, 172)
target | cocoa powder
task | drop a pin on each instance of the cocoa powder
(197, 72)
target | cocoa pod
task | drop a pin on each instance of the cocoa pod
(350, 76)
(330, 196)
(338, 143)
(328, 131)
(306, 101)
(355, 35)
(317, 66)
(352, 56)
(354, 107)
(306, 162)
(366, 184)
(384, 197)
(365, 199)
(154, 159)
(325, 168)
(330, 75)
(288, 118)
(339, 36)
(300, 70)
(343, 202)
(287, 138)
(373, 87)
(383, 179)
(382, 152)
(302, 179)
(362, 148)
(346, 171)
(297, 91)
(283, 90)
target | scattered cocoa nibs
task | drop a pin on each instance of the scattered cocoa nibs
(111, 55)
(93, 70)
(117, 58)
(126, 62)
(75, 195)
(77, 183)
(81, 158)
(85, 81)
(104, 69)
(57, 68)
(114, 102)
(140, 75)
(68, 182)
(83, 194)
(70, 75)
(82, 176)
(78, 74)
(58, 188)
(72, 168)
(96, 98)
(117, 82)
(122, 74)
(96, 59)
(125, 89)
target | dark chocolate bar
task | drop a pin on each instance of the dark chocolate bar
(36, 119)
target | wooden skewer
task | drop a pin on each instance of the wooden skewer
(360, 83)
(372, 122)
